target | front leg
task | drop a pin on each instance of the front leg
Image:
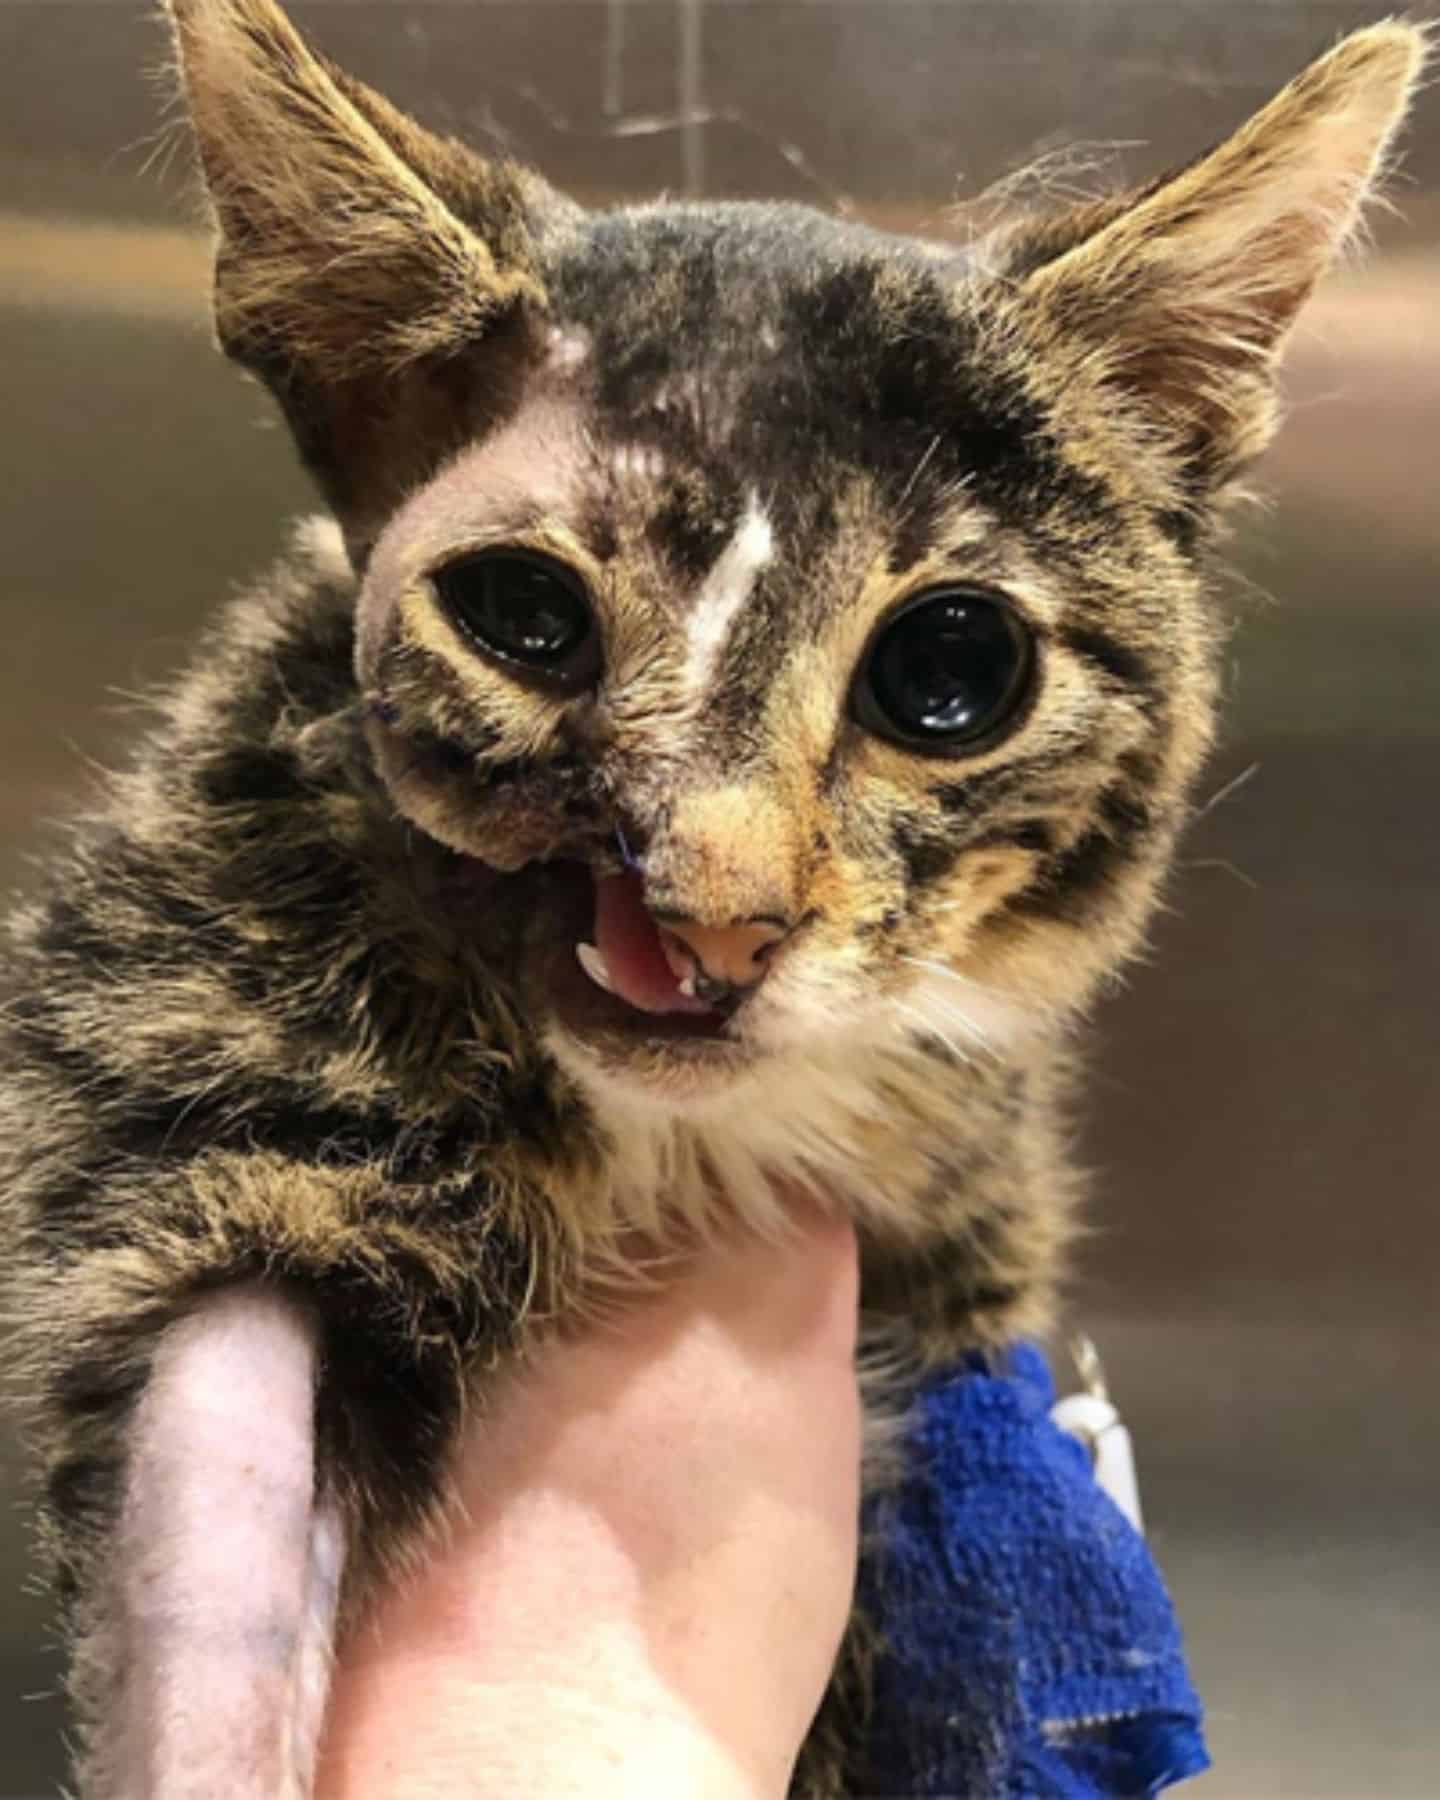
(237, 1367)
(212, 1625)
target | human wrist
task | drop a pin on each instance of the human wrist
(521, 1739)
(647, 1570)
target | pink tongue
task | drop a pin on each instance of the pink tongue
(629, 940)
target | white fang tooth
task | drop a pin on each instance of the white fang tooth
(687, 987)
(594, 965)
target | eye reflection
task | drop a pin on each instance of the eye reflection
(525, 609)
(947, 672)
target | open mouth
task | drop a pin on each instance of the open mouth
(622, 973)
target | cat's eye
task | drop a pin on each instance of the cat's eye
(525, 609)
(946, 673)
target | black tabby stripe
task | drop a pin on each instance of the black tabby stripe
(1181, 525)
(987, 787)
(1034, 835)
(1122, 662)
(924, 856)
(249, 775)
(1069, 882)
(695, 520)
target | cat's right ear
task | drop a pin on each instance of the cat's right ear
(383, 282)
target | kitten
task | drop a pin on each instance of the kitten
(739, 716)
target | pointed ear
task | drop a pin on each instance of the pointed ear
(1181, 298)
(384, 283)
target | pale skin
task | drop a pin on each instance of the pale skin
(653, 1567)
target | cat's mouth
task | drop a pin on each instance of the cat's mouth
(613, 973)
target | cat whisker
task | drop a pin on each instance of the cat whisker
(926, 1028)
(920, 468)
(968, 1027)
(927, 996)
(1222, 794)
(959, 1017)
(938, 968)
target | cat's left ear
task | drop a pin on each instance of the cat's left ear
(1180, 300)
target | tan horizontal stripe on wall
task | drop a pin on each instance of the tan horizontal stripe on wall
(154, 271)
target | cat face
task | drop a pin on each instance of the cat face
(786, 616)
(807, 621)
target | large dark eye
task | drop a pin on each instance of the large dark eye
(525, 609)
(948, 671)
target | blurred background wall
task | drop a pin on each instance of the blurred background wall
(1265, 1119)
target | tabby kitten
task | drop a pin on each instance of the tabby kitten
(738, 716)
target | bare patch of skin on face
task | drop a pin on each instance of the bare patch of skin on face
(725, 590)
(226, 1576)
(532, 467)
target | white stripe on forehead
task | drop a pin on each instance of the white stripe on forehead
(725, 590)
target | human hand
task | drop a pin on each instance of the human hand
(654, 1566)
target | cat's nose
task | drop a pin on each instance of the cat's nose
(720, 958)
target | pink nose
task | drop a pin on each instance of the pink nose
(730, 955)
